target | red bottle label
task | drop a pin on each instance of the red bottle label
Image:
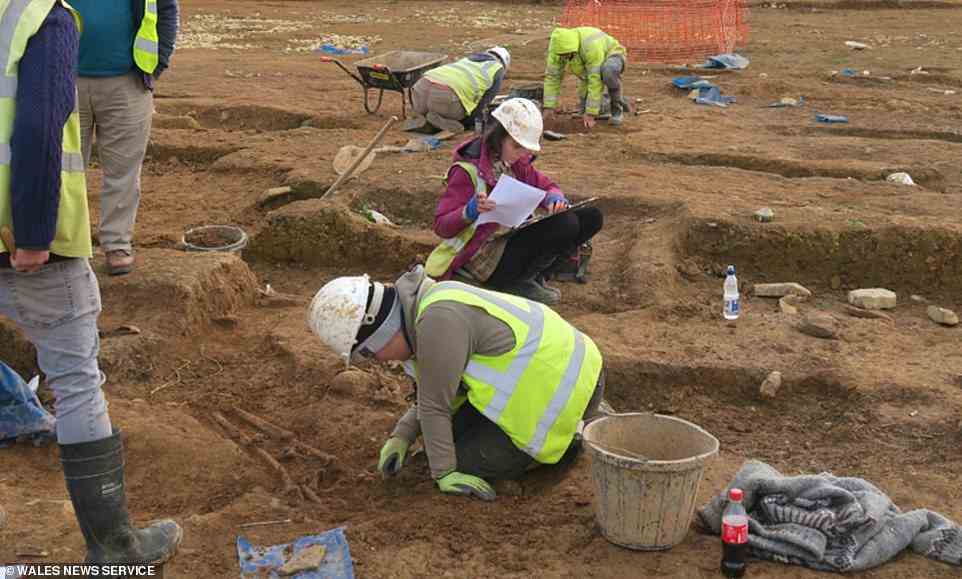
(735, 534)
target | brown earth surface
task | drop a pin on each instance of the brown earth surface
(247, 107)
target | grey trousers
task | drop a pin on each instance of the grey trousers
(431, 97)
(611, 72)
(116, 112)
(484, 450)
(57, 308)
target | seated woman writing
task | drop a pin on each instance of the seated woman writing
(482, 254)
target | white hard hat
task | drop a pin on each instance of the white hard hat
(337, 313)
(502, 53)
(522, 119)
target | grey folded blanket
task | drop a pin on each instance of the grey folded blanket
(831, 523)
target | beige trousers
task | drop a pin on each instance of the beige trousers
(115, 112)
(431, 97)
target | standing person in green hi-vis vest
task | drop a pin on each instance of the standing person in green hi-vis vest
(502, 382)
(46, 285)
(452, 96)
(124, 48)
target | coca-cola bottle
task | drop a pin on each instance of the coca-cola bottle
(734, 536)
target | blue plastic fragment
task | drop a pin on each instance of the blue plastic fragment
(830, 118)
(327, 48)
(264, 562)
(849, 72)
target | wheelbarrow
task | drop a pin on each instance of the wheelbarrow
(396, 71)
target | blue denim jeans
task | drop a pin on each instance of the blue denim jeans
(57, 308)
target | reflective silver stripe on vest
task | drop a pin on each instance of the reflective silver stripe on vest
(470, 74)
(594, 70)
(504, 382)
(8, 27)
(561, 396)
(145, 45)
(72, 163)
(8, 87)
(151, 7)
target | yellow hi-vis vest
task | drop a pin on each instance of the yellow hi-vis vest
(440, 259)
(468, 79)
(538, 392)
(19, 21)
(145, 43)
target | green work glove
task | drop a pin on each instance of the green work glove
(457, 483)
(393, 453)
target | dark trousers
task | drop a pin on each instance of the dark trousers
(558, 235)
(484, 450)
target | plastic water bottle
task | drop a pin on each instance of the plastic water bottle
(732, 302)
(734, 536)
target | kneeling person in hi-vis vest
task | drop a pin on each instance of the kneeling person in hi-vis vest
(502, 381)
(597, 59)
(452, 96)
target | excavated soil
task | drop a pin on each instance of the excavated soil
(248, 107)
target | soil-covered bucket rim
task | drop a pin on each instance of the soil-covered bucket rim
(228, 231)
(612, 454)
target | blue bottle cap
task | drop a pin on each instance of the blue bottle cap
(731, 270)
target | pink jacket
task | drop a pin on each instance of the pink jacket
(449, 217)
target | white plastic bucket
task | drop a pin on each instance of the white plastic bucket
(646, 469)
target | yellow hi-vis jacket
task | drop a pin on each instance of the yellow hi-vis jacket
(468, 79)
(19, 21)
(591, 47)
(537, 392)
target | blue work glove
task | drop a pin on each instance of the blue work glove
(457, 483)
(471, 209)
(393, 453)
(552, 198)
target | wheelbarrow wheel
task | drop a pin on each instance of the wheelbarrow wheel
(367, 102)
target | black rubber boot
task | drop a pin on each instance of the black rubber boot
(531, 285)
(94, 472)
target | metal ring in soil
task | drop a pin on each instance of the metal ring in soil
(230, 238)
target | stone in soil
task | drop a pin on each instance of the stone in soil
(943, 316)
(307, 559)
(788, 304)
(872, 299)
(918, 299)
(869, 314)
(777, 290)
(351, 382)
(769, 388)
(765, 215)
(818, 325)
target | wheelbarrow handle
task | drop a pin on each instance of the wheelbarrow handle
(344, 68)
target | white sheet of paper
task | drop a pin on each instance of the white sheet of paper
(514, 202)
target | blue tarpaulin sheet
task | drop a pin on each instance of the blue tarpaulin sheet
(729, 61)
(21, 414)
(713, 96)
(263, 562)
(690, 82)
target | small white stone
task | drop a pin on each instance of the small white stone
(765, 215)
(943, 316)
(918, 299)
(770, 386)
(777, 290)
(872, 299)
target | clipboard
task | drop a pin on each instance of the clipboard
(579, 205)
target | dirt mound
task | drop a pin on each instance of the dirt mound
(180, 291)
(323, 233)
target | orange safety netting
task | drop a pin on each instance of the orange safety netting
(665, 31)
